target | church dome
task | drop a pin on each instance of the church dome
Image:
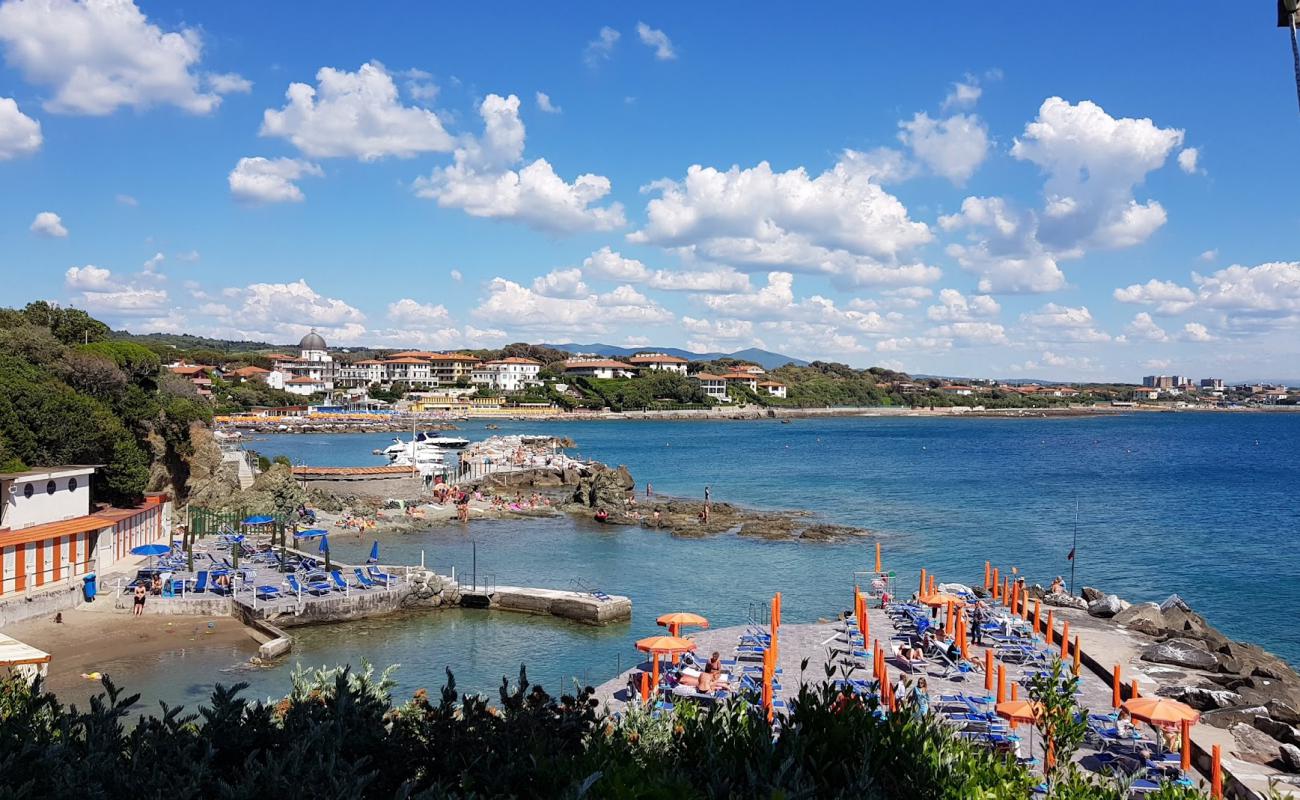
(312, 341)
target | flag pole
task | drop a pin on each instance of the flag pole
(1074, 547)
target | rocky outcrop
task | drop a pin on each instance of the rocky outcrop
(212, 483)
(1202, 698)
(1106, 606)
(1227, 717)
(1278, 730)
(274, 492)
(1253, 745)
(1180, 653)
(604, 489)
(1092, 595)
(1142, 617)
(1063, 600)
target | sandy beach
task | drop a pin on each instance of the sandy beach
(86, 641)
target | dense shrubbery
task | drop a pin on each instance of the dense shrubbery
(68, 396)
(652, 389)
(338, 734)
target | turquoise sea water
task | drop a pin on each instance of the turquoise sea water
(1200, 504)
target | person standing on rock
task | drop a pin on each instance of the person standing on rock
(649, 489)
(708, 502)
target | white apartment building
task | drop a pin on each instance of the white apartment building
(714, 386)
(512, 374)
(660, 361)
(599, 368)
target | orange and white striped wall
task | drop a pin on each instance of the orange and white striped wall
(42, 555)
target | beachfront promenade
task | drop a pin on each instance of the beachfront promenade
(958, 695)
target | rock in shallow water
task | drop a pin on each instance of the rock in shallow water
(1181, 653)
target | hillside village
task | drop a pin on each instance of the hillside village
(533, 377)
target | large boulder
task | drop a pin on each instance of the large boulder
(1278, 730)
(1227, 717)
(1253, 744)
(1092, 594)
(1288, 758)
(1202, 698)
(604, 488)
(1249, 659)
(1063, 600)
(1106, 606)
(1262, 692)
(1283, 711)
(1181, 653)
(1181, 621)
(1143, 618)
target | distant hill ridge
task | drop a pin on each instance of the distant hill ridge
(764, 358)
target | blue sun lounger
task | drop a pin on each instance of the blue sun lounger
(362, 580)
(311, 588)
(200, 581)
(380, 577)
(336, 578)
(269, 593)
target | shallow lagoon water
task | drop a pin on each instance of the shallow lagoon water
(1200, 504)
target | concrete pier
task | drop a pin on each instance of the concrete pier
(577, 606)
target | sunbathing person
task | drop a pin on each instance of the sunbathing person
(714, 664)
(706, 683)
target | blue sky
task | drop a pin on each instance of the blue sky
(1003, 193)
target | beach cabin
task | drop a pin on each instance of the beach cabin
(22, 660)
(773, 388)
(50, 537)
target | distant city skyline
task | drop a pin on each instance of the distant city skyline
(942, 194)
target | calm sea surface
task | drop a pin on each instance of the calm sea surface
(1205, 505)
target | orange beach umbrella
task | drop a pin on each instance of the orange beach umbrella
(1018, 710)
(1161, 710)
(941, 599)
(677, 619)
(660, 645)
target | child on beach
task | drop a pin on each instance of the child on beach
(140, 594)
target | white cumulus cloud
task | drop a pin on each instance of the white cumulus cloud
(1058, 323)
(20, 135)
(484, 182)
(840, 223)
(656, 39)
(1187, 158)
(1093, 163)
(1168, 297)
(602, 47)
(608, 264)
(266, 180)
(560, 283)
(954, 306)
(355, 114)
(1196, 332)
(49, 225)
(1145, 328)
(521, 308)
(953, 147)
(100, 55)
(545, 104)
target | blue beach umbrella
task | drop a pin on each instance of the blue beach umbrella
(374, 554)
(258, 520)
(150, 550)
(314, 533)
(324, 545)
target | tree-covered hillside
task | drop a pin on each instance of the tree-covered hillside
(69, 394)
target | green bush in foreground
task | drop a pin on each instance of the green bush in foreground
(338, 734)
